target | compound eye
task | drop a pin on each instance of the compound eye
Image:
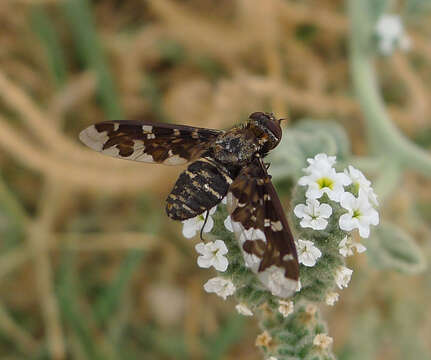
(257, 116)
(274, 127)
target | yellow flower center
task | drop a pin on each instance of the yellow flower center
(325, 182)
(356, 214)
(356, 187)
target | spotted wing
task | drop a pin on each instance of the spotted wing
(167, 144)
(262, 230)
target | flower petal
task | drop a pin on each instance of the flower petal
(300, 210)
(348, 201)
(220, 263)
(319, 224)
(228, 224)
(346, 222)
(221, 247)
(204, 262)
(209, 225)
(325, 210)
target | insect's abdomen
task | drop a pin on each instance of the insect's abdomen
(203, 185)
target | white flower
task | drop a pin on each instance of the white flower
(343, 276)
(307, 252)
(285, 308)
(251, 260)
(362, 183)
(194, 225)
(331, 298)
(274, 280)
(320, 162)
(347, 246)
(220, 286)
(313, 214)
(390, 32)
(228, 224)
(272, 358)
(325, 180)
(322, 341)
(361, 214)
(299, 286)
(212, 255)
(243, 310)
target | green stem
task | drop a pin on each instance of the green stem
(383, 136)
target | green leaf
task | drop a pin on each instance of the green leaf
(366, 336)
(303, 141)
(393, 249)
(332, 130)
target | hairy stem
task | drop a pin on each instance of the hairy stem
(384, 138)
(283, 337)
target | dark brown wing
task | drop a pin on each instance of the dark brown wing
(262, 230)
(160, 143)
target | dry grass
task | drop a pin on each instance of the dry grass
(193, 62)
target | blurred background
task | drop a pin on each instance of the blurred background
(90, 265)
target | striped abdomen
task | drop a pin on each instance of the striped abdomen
(203, 185)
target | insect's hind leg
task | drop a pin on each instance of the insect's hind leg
(203, 226)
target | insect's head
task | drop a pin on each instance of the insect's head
(268, 129)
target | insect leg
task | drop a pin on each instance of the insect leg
(202, 228)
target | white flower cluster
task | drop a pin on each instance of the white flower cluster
(211, 253)
(390, 33)
(322, 179)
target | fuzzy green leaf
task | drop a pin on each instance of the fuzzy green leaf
(332, 130)
(392, 248)
(303, 141)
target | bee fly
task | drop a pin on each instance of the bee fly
(223, 163)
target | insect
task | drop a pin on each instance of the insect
(223, 164)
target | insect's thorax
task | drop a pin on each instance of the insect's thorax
(237, 146)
